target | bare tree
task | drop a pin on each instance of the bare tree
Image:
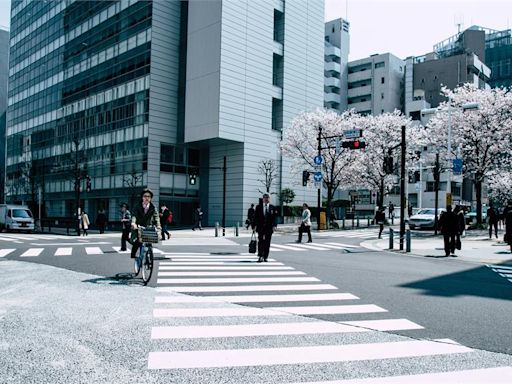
(269, 170)
(132, 181)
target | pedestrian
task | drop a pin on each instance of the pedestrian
(101, 220)
(409, 210)
(85, 222)
(507, 215)
(391, 208)
(305, 225)
(449, 229)
(492, 216)
(164, 220)
(461, 225)
(249, 222)
(198, 219)
(265, 219)
(380, 218)
(126, 219)
(146, 215)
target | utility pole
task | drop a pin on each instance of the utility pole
(224, 198)
(436, 190)
(77, 187)
(402, 191)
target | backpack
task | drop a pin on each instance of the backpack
(169, 218)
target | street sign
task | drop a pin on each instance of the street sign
(318, 160)
(448, 198)
(318, 184)
(457, 166)
(317, 176)
(352, 133)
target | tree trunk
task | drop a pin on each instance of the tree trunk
(329, 204)
(381, 193)
(478, 190)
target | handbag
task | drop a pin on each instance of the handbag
(253, 243)
(458, 244)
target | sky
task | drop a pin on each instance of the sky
(401, 27)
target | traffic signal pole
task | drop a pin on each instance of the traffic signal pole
(402, 191)
(318, 198)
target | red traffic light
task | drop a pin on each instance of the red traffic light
(356, 144)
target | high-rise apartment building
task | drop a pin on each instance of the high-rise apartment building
(375, 84)
(337, 45)
(108, 97)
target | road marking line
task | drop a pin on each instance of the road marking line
(299, 355)
(249, 288)
(204, 255)
(214, 312)
(331, 309)
(237, 280)
(313, 247)
(275, 249)
(287, 247)
(5, 252)
(344, 245)
(231, 273)
(118, 250)
(263, 267)
(498, 375)
(257, 298)
(234, 262)
(384, 325)
(63, 251)
(174, 258)
(32, 252)
(93, 250)
(500, 267)
(333, 246)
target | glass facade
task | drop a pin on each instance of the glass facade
(79, 79)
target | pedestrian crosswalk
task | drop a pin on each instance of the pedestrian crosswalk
(299, 247)
(247, 317)
(63, 251)
(502, 270)
(367, 233)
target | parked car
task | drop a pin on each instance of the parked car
(425, 218)
(471, 216)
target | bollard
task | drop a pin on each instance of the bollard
(390, 238)
(352, 221)
(368, 225)
(216, 229)
(236, 228)
(408, 240)
(358, 222)
(343, 224)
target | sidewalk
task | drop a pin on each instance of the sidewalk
(476, 247)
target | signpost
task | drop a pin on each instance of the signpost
(353, 133)
(457, 166)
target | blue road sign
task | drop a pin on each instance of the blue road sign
(317, 176)
(318, 159)
(457, 166)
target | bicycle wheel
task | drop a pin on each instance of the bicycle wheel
(147, 265)
(138, 261)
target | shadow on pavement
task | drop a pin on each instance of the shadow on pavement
(118, 279)
(481, 281)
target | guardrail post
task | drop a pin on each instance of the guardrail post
(408, 240)
(358, 222)
(343, 223)
(216, 229)
(236, 228)
(368, 222)
(390, 238)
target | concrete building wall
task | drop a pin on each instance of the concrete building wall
(4, 71)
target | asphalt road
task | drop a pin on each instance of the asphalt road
(443, 298)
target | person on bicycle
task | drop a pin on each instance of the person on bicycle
(144, 214)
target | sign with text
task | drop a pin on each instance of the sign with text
(352, 133)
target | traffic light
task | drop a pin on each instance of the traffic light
(192, 178)
(388, 165)
(88, 186)
(305, 178)
(355, 144)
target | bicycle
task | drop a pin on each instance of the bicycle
(144, 260)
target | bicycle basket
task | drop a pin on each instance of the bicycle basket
(149, 235)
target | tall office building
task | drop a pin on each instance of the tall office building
(4, 68)
(108, 97)
(375, 84)
(337, 46)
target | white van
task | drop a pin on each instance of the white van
(16, 217)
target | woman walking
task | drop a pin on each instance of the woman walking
(305, 225)
(85, 222)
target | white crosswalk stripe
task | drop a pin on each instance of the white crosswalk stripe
(5, 252)
(502, 270)
(63, 251)
(32, 252)
(231, 321)
(93, 250)
(310, 247)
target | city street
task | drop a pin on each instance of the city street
(335, 309)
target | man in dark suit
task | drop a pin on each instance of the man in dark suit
(265, 219)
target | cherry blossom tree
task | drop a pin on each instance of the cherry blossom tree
(480, 136)
(300, 143)
(382, 134)
(500, 186)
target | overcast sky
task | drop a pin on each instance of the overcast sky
(402, 27)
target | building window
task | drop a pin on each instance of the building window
(379, 65)
(278, 26)
(277, 114)
(382, 96)
(382, 80)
